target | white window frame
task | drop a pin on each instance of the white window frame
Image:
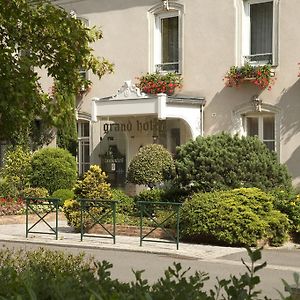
(155, 15)
(248, 109)
(260, 117)
(82, 140)
(243, 28)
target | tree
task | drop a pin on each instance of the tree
(37, 35)
(152, 164)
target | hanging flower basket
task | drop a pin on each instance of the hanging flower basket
(156, 83)
(261, 76)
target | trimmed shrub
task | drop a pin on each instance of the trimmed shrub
(63, 194)
(289, 204)
(53, 169)
(35, 192)
(7, 188)
(153, 164)
(93, 185)
(162, 195)
(237, 217)
(125, 203)
(17, 166)
(154, 195)
(222, 161)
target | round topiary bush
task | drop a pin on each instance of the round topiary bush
(153, 164)
(53, 169)
(220, 162)
(237, 217)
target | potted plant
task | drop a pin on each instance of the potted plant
(156, 83)
(261, 76)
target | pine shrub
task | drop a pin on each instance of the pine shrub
(53, 168)
(222, 161)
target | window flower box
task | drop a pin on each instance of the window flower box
(261, 76)
(156, 83)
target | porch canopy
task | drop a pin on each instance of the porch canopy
(130, 101)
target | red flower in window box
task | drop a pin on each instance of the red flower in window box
(159, 83)
(261, 76)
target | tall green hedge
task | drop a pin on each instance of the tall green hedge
(222, 161)
(237, 217)
(53, 169)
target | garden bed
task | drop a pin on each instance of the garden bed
(130, 230)
(21, 219)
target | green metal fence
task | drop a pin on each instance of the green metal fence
(99, 212)
(50, 205)
(149, 210)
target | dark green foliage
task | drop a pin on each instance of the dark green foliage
(237, 217)
(63, 194)
(154, 195)
(44, 274)
(153, 164)
(53, 169)
(222, 161)
(66, 121)
(162, 195)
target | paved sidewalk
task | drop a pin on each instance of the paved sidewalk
(67, 238)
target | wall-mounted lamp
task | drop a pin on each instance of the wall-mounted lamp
(257, 102)
(154, 138)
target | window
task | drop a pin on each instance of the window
(262, 126)
(83, 156)
(168, 43)
(166, 32)
(259, 32)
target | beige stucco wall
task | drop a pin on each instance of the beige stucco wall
(209, 49)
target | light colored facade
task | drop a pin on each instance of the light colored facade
(201, 40)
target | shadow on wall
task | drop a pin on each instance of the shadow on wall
(290, 105)
(218, 113)
(293, 164)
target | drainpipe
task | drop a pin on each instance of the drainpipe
(201, 122)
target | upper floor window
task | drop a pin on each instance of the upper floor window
(166, 38)
(259, 32)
